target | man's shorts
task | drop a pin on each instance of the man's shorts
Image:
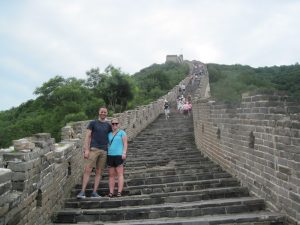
(97, 158)
(114, 160)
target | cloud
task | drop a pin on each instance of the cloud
(41, 39)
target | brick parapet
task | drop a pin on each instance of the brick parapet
(40, 175)
(258, 141)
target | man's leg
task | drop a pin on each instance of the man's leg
(86, 177)
(100, 164)
(97, 179)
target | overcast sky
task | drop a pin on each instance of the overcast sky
(41, 39)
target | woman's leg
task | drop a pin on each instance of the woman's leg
(120, 173)
(112, 174)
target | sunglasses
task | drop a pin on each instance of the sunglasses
(114, 124)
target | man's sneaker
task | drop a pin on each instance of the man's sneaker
(81, 195)
(95, 195)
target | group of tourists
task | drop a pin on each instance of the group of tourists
(105, 143)
(184, 105)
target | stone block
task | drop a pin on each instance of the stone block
(20, 176)
(284, 170)
(3, 209)
(42, 137)
(41, 144)
(49, 156)
(23, 144)
(21, 156)
(20, 166)
(295, 197)
(5, 187)
(5, 175)
(283, 139)
(19, 185)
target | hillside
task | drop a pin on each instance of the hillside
(228, 82)
(62, 100)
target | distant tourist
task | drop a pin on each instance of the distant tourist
(95, 151)
(116, 157)
(183, 88)
(186, 107)
(190, 108)
(167, 109)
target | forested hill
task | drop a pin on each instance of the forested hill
(61, 100)
(228, 82)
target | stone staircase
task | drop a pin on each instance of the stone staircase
(168, 181)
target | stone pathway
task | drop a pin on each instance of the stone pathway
(168, 181)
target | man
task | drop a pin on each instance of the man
(95, 151)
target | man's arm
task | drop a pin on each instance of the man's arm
(87, 142)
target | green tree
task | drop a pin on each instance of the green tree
(94, 77)
(116, 90)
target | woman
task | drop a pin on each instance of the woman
(116, 157)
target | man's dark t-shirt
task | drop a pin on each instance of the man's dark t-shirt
(99, 134)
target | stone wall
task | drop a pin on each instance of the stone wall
(39, 174)
(36, 174)
(258, 141)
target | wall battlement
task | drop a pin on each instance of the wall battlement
(258, 141)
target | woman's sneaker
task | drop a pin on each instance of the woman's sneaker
(81, 195)
(95, 195)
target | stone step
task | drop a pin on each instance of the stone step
(157, 170)
(168, 172)
(166, 179)
(169, 210)
(184, 155)
(158, 198)
(137, 159)
(168, 187)
(261, 218)
(164, 152)
(163, 162)
(178, 164)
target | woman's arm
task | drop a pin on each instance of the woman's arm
(125, 145)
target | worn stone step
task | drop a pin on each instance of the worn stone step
(157, 170)
(178, 164)
(261, 218)
(169, 187)
(172, 171)
(162, 171)
(162, 162)
(169, 210)
(192, 158)
(166, 179)
(158, 198)
(163, 152)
